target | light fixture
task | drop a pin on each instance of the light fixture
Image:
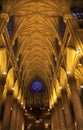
(60, 87)
(17, 59)
(21, 103)
(18, 97)
(46, 125)
(68, 72)
(11, 108)
(81, 86)
(29, 126)
(55, 58)
(24, 107)
(4, 73)
(78, 51)
(31, 108)
(25, 110)
(48, 109)
(75, 124)
(13, 88)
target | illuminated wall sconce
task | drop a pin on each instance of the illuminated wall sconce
(81, 86)
(78, 51)
(21, 103)
(24, 107)
(17, 59)
(62, 108)
(13, 89)
(11, 109)
(46, 125)
(25, 110)
(48, 109)
(31, 108)
(60, 87)
(68, 72)
(29, 126)
(18, 97)
(4, 73)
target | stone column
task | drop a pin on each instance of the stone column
(53, 119)
(56, 117)
(18, 119)
(4, 18)
(2, 82)
(76, 103)
(13, 115)
(21, 118)
(73, 26)
(7, 111)
(61, 115)
(67, 112)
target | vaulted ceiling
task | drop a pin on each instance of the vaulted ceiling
(36, 39)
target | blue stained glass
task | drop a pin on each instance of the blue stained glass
(77, 13)
(37, 85)
(10, 26)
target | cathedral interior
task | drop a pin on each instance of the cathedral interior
(41, 64)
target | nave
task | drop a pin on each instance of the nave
(41, 64)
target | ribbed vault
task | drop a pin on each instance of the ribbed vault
(36, 40)
(35, 30)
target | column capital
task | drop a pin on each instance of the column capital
(59, 100)
(71, 79)
(5, 16)
(63, 91)
(67, 16)
(9, 93)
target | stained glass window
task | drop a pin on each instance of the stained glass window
(10, 26)
(77, 13)
(37, 85)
